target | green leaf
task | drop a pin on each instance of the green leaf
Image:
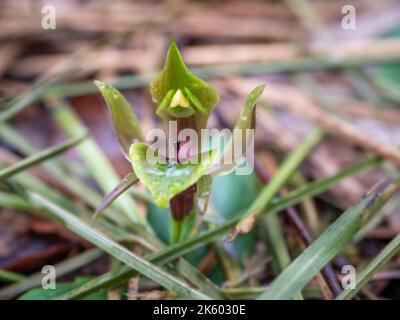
(329, 244)
(125, 121)
(245, 122)
(176, 76)
(165, 179)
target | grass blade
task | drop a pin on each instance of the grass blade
(291, 198)
(10, 276)
(330, 243)
(199, 279)
(111, 279)
(152, 272)
(63, 171)
(13, 201)
(276, 245)
(276, 242)
(187, 270)
(19, 142)
(40, 157)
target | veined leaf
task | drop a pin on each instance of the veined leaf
(245, 122)
(165, 179)
(125, 122)
(329, 244)
(176, 76)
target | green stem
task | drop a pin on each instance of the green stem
(175, 231)
(181, 229)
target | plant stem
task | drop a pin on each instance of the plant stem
(176, 229)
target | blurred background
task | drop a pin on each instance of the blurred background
(323, 65)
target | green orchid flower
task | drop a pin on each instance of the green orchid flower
(184, 185)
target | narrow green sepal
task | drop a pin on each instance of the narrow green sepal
(125, 121)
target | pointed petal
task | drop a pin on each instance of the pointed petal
(129, 180)
(245, 121)
(175, 75)
(125, 121)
